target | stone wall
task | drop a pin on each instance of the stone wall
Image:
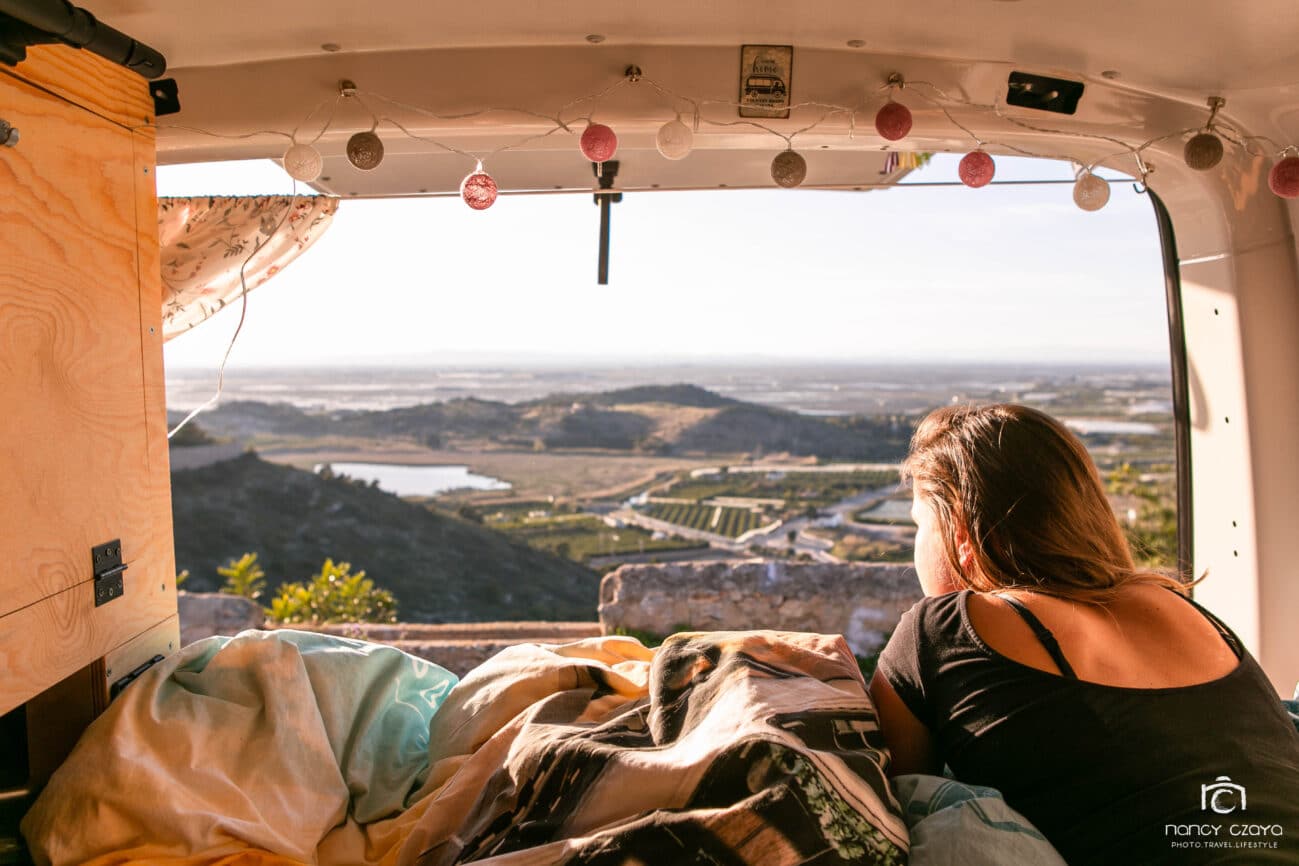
(204, 614)
(861, 601)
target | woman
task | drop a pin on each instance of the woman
(1126, 722)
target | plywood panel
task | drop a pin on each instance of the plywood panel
(161, 640)
(50, 641)
(83, 446)
(88, 80)
(74, 452)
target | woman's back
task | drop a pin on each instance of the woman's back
(1146, 637)
(1111, 764)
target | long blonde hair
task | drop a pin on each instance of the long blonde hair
(1030, 499)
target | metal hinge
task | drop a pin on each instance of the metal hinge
(106, 563)
(116, 688)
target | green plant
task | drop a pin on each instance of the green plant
(333, 595)
(181, 578)
(244, 576)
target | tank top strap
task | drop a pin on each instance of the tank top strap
(1227, 634)
(1049, 643)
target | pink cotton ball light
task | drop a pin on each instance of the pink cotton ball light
(599, 143)
(1284, 177)
(893, 121)
(478, 190)
(976, 169)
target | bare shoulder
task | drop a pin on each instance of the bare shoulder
(1147, 637)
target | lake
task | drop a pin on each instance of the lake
(406, 480)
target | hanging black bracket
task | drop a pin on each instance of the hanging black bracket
(24, 23)
(166, 96)
(605, 174)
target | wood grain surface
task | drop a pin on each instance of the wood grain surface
(83, 450)
(88, 80)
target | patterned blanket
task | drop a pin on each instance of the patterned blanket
(744, 748)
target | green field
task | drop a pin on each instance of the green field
(580, 537)
(732, 523)
(796, 488)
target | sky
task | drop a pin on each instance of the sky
(1003, 273)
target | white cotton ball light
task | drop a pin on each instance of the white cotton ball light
(788, 169)
(1091, 193)
(675, 139)
(303, 162)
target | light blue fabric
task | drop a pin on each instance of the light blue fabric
(954, 824)
(270, 740)
(374, 701)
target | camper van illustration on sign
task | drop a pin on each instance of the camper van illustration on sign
(765, 72)
(1222, 796)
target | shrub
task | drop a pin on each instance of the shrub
(243, 577)
(333, 595)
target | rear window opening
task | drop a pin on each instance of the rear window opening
(745, 386)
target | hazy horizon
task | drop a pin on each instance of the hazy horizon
(904, 275)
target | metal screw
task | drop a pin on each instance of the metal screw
(146, 169)
(8, 134)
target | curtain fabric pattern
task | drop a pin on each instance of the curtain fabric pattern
(206, 240)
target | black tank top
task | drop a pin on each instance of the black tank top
(1207, 773)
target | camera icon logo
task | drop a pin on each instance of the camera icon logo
(1222, 796)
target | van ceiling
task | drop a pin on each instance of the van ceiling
(247, 65)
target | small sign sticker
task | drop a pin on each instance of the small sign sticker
(766, 79)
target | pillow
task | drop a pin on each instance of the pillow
(954, 824)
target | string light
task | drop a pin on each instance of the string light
(1283, 179)
(893, 121)
(478, 189)
(1204, 150)
(976, 169)
(303, 162)
(365, 150)
(598, 143)
(675, 139)
(788, 169)
(1090, 192)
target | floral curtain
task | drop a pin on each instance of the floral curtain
(206, 240)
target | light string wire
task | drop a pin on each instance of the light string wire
(243, 313)
(937, 98)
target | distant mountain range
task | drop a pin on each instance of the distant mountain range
(658, 419)
(439, 568)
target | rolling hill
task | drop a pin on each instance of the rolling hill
(440, 569)
(661, 419)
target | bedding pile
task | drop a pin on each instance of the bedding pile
(281, 748)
